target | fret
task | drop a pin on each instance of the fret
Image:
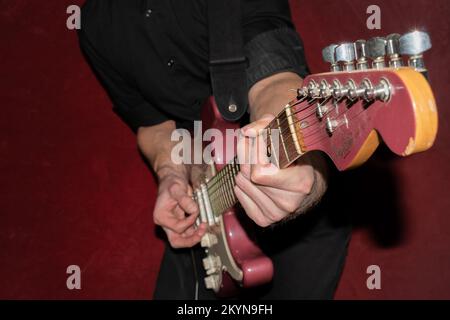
(221, 188)
(212, 190)
(225, 188)
(230, 185)
(214, 203)
(217, 191)
(221, 194)
(227, 196)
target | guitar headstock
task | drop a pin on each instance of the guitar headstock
(346, 112)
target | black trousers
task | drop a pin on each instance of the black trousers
(308, 255)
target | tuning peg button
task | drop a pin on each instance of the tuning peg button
(329, 56)
(376, 48)
(414, 44)
(345, 54)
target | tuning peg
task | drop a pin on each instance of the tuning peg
(329, 56)
(345, 54)
(361, 55)
(376, 48)
(414, 44)
(393, 50)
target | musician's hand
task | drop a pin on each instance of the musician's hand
(176, 211)
(267, 193)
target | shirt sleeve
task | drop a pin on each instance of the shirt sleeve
(127, 101)
(271, 43)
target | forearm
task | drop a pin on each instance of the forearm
(270, 95)
(155, 144)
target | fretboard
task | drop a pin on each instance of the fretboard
(221, 188)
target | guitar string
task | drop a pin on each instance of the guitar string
(210, 186)
(220, 180)
(339, 125)
(225, 177)
(321, 137)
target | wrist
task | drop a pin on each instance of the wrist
(171, 170)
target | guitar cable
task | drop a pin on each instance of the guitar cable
(194, 264)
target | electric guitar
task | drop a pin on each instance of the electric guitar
(369, 95)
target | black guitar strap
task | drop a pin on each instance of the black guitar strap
(226, 57)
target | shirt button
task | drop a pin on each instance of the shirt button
(170, 63)
(148, 13)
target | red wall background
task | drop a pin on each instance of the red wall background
(73, 189)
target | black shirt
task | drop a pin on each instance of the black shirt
(152, 55)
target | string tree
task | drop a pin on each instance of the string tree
(322, 110)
